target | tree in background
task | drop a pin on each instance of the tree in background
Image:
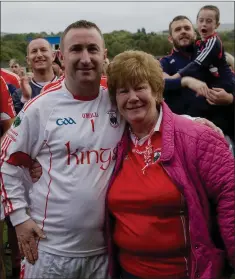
(14, 45)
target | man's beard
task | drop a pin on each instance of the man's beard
(187, 48)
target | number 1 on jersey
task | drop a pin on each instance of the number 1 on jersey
(93, 125)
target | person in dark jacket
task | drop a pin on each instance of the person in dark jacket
(209, 52)
(186, 95)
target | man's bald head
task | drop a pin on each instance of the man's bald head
(38, 39)
(40, 55)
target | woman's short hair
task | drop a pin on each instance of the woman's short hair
(132, 68)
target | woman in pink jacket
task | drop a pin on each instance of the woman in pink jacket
(170, 203)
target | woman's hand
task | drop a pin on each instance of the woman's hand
(35, 171)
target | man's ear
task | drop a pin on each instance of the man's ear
(170, 39)
(27, 59)
(217, 25)
(61, 57)
(53, 56)
(105, 53)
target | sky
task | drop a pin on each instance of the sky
(25, 17)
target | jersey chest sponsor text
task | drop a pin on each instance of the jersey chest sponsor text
(101, 156)
(83, 140)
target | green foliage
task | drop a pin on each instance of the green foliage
(14, 45)
(153, 43)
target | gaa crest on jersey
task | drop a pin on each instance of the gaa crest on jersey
(113, 118)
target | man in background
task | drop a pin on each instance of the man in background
(40, 57)
(183, 94)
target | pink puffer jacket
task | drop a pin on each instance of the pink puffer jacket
(199, 162)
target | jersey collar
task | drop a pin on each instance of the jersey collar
(78, 97)
(157, 128)
(38, 84)
(211, 36)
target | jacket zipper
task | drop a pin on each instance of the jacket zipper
(182, 217)
(193, 271)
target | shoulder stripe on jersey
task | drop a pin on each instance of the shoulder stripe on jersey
(7, 204)
(53, 85)
(206, 50)
(3, 80)
(50, 85)
(40, 95)
(221, 48)
(3, 146)
(209, 45)
(53, 88)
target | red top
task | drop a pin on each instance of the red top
(7, 110)
(149, 228)
(10, 77)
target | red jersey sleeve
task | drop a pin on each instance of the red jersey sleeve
(10, 77)
(7, 110)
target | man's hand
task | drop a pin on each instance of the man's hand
(35, 171)
(218, 96)
(25, 87)
(210, 124)
(165, 75)
(28, 233)
(5, 126)
(196, 85)
(22, 73)
(177, 75)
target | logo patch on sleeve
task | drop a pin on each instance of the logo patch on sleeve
(17, 122)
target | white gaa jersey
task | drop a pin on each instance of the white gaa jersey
(75, 143)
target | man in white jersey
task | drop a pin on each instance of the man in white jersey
(65, 128)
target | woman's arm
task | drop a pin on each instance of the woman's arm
(215, 164)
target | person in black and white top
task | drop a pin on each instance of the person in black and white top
(40, 57)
